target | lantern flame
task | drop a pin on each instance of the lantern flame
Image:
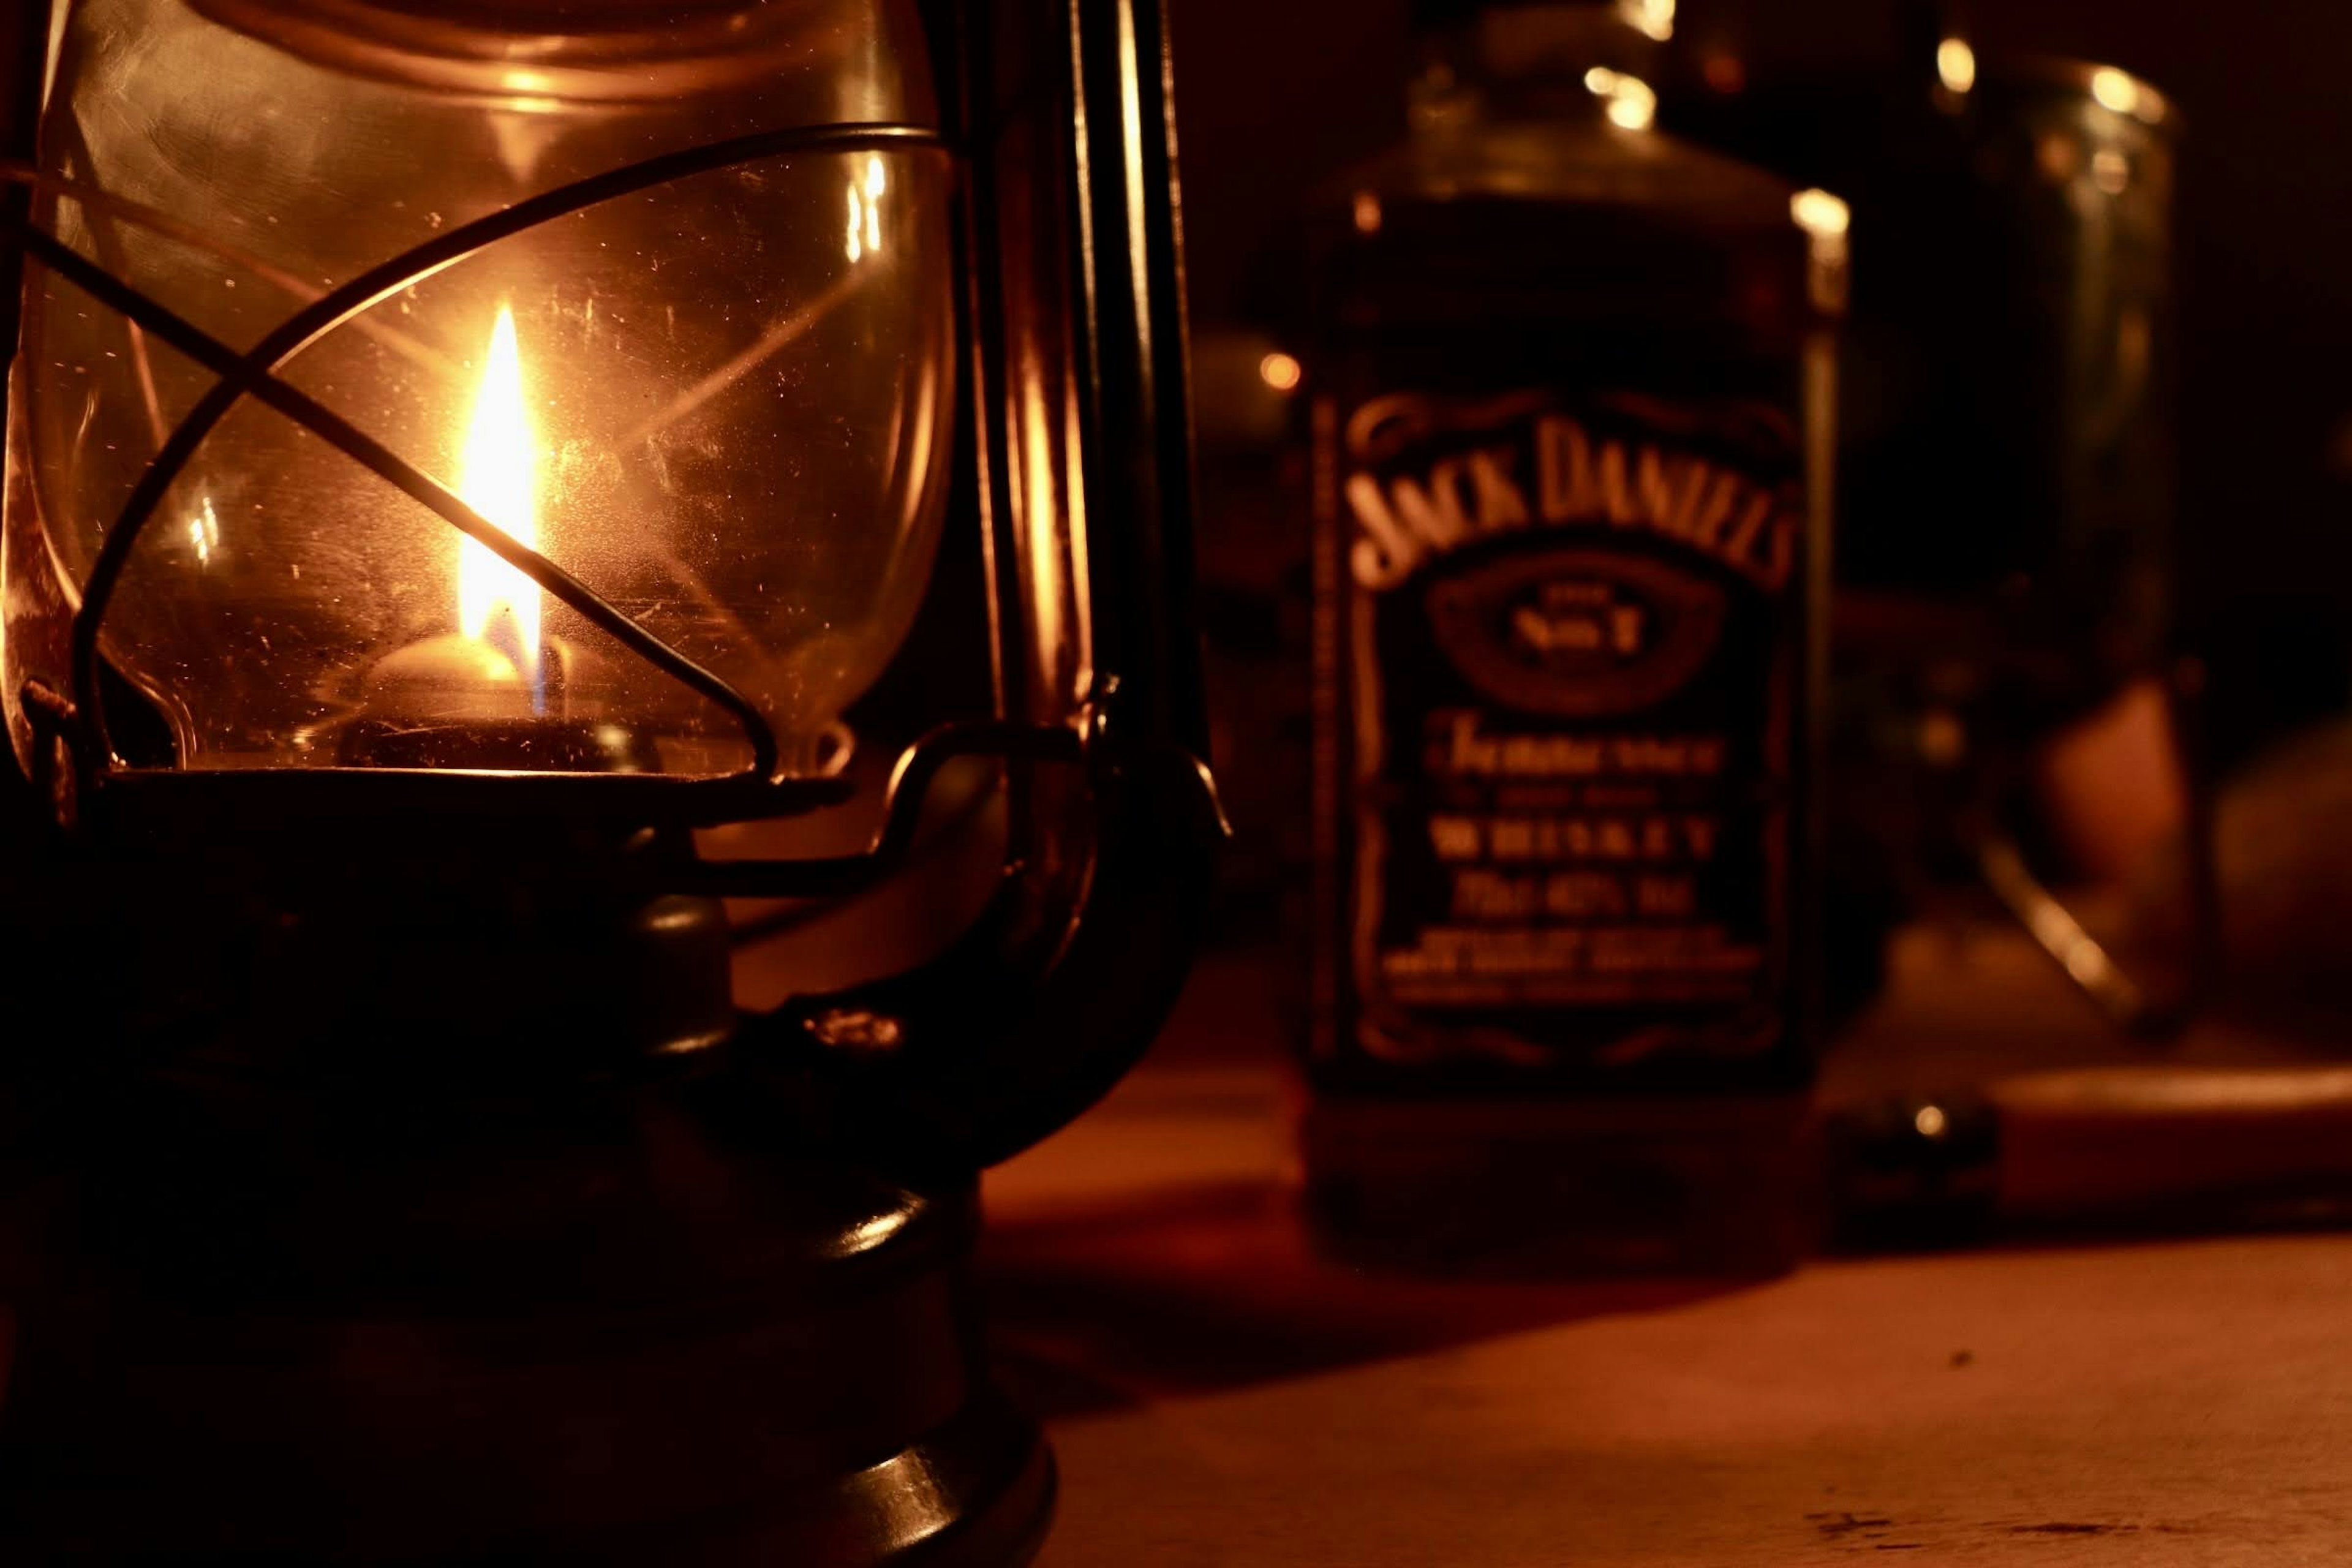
(500, 479)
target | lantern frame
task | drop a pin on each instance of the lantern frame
(248, 1247)
(1124, 752)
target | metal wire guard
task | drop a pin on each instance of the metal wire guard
(255, 372)
(1066, 182)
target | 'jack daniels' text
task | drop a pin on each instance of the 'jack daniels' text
(1406, 520)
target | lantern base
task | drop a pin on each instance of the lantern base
(606, 1325)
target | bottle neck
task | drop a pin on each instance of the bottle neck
(1580, 61)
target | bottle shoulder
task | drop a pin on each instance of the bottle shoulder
(1547, 163)
(1582, 233)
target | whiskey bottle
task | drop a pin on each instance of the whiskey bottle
(1572, 405)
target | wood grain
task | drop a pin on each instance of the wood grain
(1227, 1398)
(2150, 1406)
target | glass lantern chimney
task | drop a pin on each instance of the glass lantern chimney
(723, 401)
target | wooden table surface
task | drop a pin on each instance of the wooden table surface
(1218, 1394)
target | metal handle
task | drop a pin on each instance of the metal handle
(1030, 1018)
(1038, 1010)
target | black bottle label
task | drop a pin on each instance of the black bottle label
(1559, 653)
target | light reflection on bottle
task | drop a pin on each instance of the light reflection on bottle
(1628, 100)
(1655, 20)
(1956, 64)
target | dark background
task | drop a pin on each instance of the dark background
(1277, 95)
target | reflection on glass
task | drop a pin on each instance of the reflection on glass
(1956, 64)
(1654, 18)
(1627, 99)
(2115, 90)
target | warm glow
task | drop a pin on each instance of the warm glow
(204, 532)
(1931, 1121)
(865, 237)
(2115, 89)
(1820, 214)
(1628, 100)
(1655, 18)
(1280, 372)
(1957, 64)
(1824, 218)
(500, 479)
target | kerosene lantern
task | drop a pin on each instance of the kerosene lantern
(473, 470)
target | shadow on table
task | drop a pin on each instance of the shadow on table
(1218, 1288)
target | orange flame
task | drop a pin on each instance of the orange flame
(499, 478)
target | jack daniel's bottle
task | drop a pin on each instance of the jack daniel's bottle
(1572, 399)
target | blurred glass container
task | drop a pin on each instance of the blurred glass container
(2010, 706)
